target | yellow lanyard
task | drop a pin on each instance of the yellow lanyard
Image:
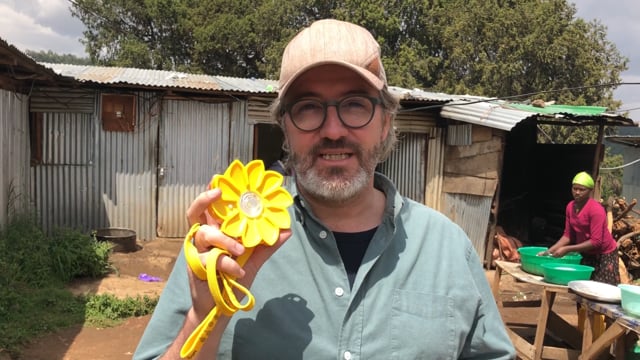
(225, 299)
(255, 221)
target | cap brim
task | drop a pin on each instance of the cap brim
(372, 79)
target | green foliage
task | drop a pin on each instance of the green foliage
(74, 255)
(24, 250)
(611, 179)
(481, 47)
(35, 267)
(28, 256)
(37, 311)
(51, 57)
(561, 134)
(108, 310)
(33, 311)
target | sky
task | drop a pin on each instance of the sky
(48, 25)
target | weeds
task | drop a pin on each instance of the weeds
(34, 268)
(107, 310)
(74, 254)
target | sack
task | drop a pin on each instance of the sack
(505, 247)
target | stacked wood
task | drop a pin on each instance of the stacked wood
(624, 224)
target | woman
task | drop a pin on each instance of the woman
(586, 232)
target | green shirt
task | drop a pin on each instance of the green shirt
(420, 293)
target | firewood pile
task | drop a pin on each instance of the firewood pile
(624, 224)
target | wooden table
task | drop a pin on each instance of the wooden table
(548, 320)
(622, 324)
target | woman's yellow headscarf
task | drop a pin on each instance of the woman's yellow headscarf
(584, 179)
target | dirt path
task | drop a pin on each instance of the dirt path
(156, 258)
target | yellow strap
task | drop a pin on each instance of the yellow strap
(221, 286)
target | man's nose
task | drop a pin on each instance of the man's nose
(333, 128)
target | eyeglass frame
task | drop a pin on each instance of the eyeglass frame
(375, 101)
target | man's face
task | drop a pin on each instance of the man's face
(334, 162)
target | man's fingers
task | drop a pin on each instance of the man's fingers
(209, 237)
(225, 265)
(197, 212)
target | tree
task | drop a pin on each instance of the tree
(55, 58)
(152, 34)
(496, 48)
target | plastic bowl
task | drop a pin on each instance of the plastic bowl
(630, 298)
(532, 263)
(561, 274)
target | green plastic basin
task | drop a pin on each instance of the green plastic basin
(561, 274)
(630, 299)
(532, 263)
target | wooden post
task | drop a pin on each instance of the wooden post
(596, 162)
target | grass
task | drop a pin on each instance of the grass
(34, 269)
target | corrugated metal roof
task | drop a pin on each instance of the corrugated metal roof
(484, 113)
(162, 79)
(503, 115)
(467, 108)
(628, 140)
(478, 110)
(421, 95)
(16, 64)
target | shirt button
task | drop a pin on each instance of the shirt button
(339, 291)
(323, 234)
(346, 355)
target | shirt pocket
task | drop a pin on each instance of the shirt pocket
(422, 326)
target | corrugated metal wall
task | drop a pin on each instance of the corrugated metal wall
(70, 100)
(125, 170)
(416, 166)
(15, 182)
(241, 131)
(198, 140)
(471, 212)
(405, 166)
(91, 178)
(421, 180)
(63, 183)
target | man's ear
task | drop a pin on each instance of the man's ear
(386, 126)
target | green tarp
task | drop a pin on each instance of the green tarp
(565, 109)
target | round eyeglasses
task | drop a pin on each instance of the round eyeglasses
(353, 111)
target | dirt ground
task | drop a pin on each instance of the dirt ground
(156, 258)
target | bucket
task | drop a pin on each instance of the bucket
(123, 240)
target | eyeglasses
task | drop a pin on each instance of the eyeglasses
(353, 111)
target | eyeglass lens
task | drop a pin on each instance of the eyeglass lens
(353, 111)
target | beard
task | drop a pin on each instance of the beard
(335, 184)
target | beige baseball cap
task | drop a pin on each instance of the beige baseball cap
(332, 41)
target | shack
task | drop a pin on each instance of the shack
(95, 147)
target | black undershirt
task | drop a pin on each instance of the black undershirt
(352, 247)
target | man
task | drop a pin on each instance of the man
(366, 273)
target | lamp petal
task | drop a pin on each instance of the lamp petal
(271, 181)
(279, 217)
(234, 225)
(279, 198)
(255, 173)
(268, 231)
(252, 235)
